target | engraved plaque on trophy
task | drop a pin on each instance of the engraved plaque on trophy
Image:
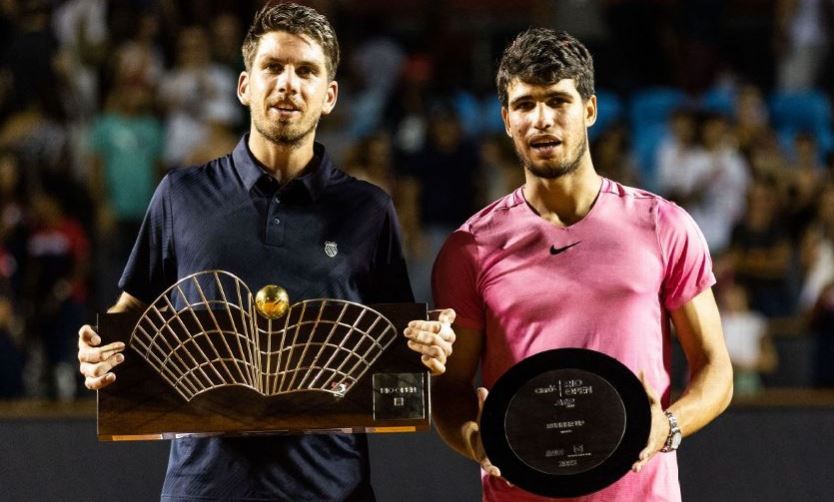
(208, 357)
(566, 422)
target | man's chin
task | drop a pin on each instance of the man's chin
(285, 136)
(550, 171)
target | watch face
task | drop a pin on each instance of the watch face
(676, 440)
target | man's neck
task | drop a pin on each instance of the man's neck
(283, 162)
(565, 200)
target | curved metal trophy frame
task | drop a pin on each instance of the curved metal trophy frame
(565, 422)
(213, 360)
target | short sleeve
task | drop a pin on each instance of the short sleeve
(151, 267)
(388, 279)
(455, 280)
(688, 266)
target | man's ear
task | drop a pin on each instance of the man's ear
(330, 97)
(505, 117)
(590, 111)
(243, 88)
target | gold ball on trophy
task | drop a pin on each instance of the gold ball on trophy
(272, 301)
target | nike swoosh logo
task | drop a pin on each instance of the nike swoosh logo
(555, 250)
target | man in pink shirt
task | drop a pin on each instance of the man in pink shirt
(572, 259)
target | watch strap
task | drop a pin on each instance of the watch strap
(674, 430)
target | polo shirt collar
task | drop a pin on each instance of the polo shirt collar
(314, 177)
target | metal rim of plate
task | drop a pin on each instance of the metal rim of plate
(517, 471)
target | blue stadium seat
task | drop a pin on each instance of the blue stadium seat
(719, 100)
(645, 142)
(797, 112)
(808, 111)
(653, 106)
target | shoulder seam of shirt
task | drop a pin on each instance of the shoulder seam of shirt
(628, 191)
(480, 219)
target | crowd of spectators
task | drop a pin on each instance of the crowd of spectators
(721, 106)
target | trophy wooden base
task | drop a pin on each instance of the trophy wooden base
(391, 395)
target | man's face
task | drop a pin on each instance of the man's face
(287, 89)
(548, 125)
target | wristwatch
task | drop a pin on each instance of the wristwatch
(673, 440)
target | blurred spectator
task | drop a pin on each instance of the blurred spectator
(56, 293)
(30, 55)
(802, 38)
(13, 223)
(752, 121)
(446, 170)
(38, 134)
(761, 252)
(822, 325)
(805, 177)
(816, 252)
(371, 160)
(407, 111)
(195, 90)
(81, 28)
(501, 169)
(767, 159)
(11, 353)
(126, 144)
(745, 332)
(816, 258)
(377, 64)
(227, 37)
(139, 60)
(612, 156)
(708, 179)
(674, 154)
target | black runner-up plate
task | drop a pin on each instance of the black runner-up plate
(565, 422)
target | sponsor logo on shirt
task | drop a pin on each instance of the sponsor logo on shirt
(331, 249)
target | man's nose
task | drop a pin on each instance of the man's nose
(544, 116)
(288, 81)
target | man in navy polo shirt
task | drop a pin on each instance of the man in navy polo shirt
(273, 211)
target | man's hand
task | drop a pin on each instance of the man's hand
(472, 437)
(433, 339)
(97, 363)
(659, 429)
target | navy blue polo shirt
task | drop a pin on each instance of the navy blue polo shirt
(231, 215)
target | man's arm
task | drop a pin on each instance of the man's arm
(97, 362)
(698, 327)
(456, 409)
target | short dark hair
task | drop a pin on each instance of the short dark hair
(295, 19)
(545, 56)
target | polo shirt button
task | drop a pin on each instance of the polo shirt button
(276, 221)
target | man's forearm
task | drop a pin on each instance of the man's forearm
(707, 396)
